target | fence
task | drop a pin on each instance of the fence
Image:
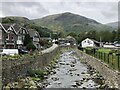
(112, 59)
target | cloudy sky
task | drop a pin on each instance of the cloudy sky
(103, 11)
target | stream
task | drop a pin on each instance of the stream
(71, 73)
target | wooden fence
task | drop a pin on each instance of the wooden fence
(112, 59)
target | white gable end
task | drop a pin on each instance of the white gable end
(87, 43)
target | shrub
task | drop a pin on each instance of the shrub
(31, 46)
(36, 74)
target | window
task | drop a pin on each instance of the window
(19, 38)
(36, 34)
(7, 37)
(12, 38)
(23, 31)
(89, 42)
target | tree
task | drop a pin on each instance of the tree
(72, 34)
(113, 38)
(28, 42)
(30, 46)
(118, 35)
(27, 39)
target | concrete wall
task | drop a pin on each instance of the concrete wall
(15, 69)
(112, 77)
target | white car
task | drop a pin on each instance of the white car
(9, 51)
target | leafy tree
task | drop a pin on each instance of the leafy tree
(118, 35)
(55, 36)
(72, 34)
(8, 20)
(30, 46)
(27, 39)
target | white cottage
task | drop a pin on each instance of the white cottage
(90, 43)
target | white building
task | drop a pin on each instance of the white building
(90, 43)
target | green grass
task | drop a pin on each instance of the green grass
(106, 54)
(104, 50)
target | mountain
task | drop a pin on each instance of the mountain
(64, 22)
(69, 22)
(113, 24)
(15, 19)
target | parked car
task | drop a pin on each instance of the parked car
(117, 43)
(9, 51)
(22, 51)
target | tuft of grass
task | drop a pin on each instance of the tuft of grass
(36, 74)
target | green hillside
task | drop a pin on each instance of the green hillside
(69, 22)
(15, 19)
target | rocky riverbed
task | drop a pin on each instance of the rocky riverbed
(67, 71)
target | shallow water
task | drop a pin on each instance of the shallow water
(69, 71)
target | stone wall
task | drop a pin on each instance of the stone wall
(112, 77)
(17, 68)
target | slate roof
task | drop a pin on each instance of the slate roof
(32, 32)
(6, 26)
(16, 27)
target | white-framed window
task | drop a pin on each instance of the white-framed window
(23, 31)
(36, 34)
(19, 38)
(7, 37)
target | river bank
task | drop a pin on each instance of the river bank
(65, 71)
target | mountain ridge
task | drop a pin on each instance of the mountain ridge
(64, 22)
(69, 22)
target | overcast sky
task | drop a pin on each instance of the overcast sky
(105, 11)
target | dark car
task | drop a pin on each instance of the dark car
(22, 51)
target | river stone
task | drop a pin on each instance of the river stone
(62, 63)
(78, 83)
(57, 66)
(72, 65)
(83, 73)
(55, 78)
(74, 84)
(45, 77)
(32, 83)
(58, 82)
(67, 64)
(84, 87)
(32, 87)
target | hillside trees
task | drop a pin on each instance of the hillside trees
(105, 36)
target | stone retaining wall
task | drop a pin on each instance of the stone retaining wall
(112, 77)
(17, 68)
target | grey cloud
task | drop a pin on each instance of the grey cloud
(28, 9)
(110, 11)
(109, 14)
(104, 11)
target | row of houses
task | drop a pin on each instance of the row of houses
(12, 36)
(69, 40)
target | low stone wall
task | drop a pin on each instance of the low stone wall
(112, 77)
(17, 68)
